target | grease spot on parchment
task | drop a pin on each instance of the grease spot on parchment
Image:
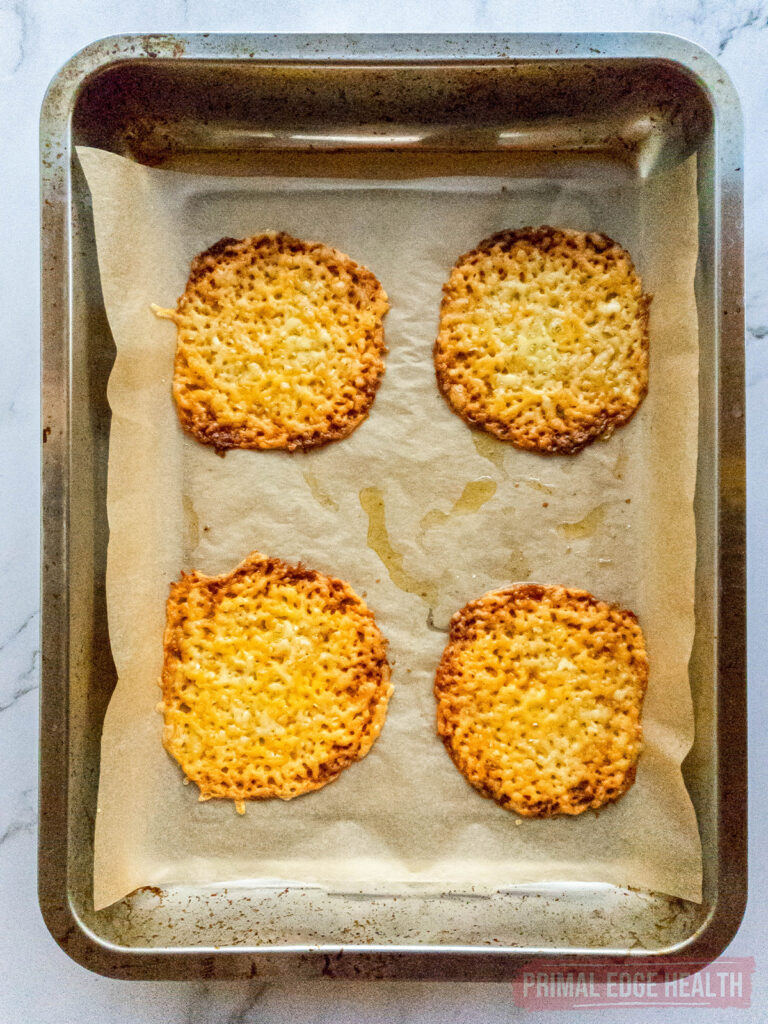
(489, 448)
(321, 496)
(475, 494)
(585, 527)
(372, 502)
(191, 536)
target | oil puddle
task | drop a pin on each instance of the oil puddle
(489, 448)
(431, 624)
(475, 494)
(517, 566)
(372, 502)
(620, 466)
(191, 535)
(585, 527)
(321, 496)
(537, 485)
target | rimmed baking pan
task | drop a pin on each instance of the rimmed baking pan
(227, 104)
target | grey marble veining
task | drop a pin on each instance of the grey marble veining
(39, 983)
(15, 33)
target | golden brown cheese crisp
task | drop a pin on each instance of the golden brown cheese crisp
(280, 344)
(539, 694)
(543, 338)
(275, 679)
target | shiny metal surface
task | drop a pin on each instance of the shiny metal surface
(388, 105)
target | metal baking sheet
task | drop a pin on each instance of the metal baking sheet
(238, 104)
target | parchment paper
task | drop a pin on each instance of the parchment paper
(616, 519)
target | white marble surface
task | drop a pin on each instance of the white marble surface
(39, 983)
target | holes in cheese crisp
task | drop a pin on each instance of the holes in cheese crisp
(532, 725)
(280, 344)
(561, 351)
(290, 678)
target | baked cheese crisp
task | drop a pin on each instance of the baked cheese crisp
(275, 679)
(280, 344)
(543, 338)
(539, 695)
